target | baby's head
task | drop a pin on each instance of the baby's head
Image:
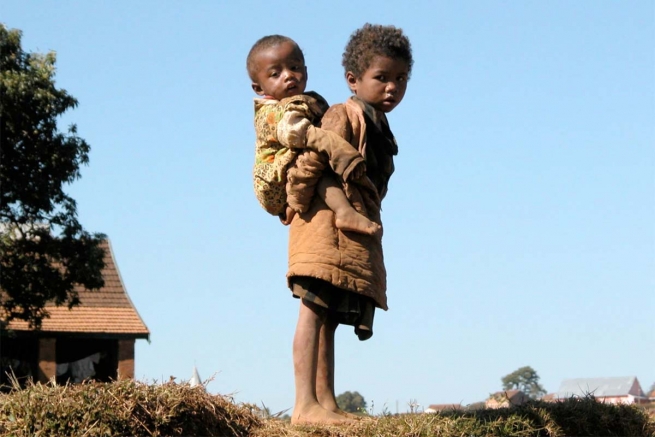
(276, 66)
(378, 62)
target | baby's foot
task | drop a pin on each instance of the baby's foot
(351, 220)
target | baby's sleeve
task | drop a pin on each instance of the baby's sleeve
(342, 156)
(292, 126)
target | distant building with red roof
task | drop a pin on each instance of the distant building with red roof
(507, 398)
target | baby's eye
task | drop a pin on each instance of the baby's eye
(381, 78)
(274, 74)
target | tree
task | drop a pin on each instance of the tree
(526, 380)
(351, 402)
(44, 251)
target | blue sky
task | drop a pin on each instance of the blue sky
(519, 225)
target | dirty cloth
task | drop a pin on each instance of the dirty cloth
(349, 261)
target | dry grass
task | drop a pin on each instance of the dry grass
(130, 408)
(573, 417)
(125, 408)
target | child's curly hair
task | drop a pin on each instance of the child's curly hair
(262, 44)
(375, 40)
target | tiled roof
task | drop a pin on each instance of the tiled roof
(506, 394)
(599, 387)
(550, 397)
(105, 311)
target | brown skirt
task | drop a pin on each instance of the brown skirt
(344, 306)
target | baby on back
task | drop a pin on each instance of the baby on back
(287, 124)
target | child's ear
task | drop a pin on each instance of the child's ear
(257, 89)
(351, 79)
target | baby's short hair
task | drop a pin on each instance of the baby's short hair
(375, 40)
(262, 44)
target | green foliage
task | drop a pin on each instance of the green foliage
(351, 402)
(526, 380)
(44, 251)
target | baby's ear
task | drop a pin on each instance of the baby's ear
(257, 89)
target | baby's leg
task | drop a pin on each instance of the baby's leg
(347, 219)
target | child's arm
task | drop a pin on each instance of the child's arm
(345, 160)
(287, 216)
(296, 131)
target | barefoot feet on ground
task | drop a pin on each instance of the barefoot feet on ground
(349, 415)
(317, 414)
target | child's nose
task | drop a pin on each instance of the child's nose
(391, 87)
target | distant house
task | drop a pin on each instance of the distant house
(616, 390)
(437, 408)
(550, 397)
(508, 398)
(94, 340)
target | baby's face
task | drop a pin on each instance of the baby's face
(281, 71)
(383, 84)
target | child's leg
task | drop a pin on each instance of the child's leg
(305, 363)
(347, 219)
(325, 369)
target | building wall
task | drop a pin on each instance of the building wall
(616, 399)
(636, 390)
(47, 359)
(114, 359)
(125, 359)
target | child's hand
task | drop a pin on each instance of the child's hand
(287, 217)
(358, 171)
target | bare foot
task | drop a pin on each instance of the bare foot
(330, 405)
(347, 414)
(317, 414)
(351, 220)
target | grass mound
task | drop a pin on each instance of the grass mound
(124, 408)
(573, 417)
(130, 408)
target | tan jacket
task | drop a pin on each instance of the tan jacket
(348, 260)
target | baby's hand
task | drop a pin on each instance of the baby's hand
(287, 217)
(358, 171)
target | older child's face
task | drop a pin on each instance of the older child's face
(281, 71)
(383, 84)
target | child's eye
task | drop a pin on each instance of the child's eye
(274, 74)
(381, 78)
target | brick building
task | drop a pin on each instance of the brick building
(93, 340)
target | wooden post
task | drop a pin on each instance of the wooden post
(47, 359)
(125, 359)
